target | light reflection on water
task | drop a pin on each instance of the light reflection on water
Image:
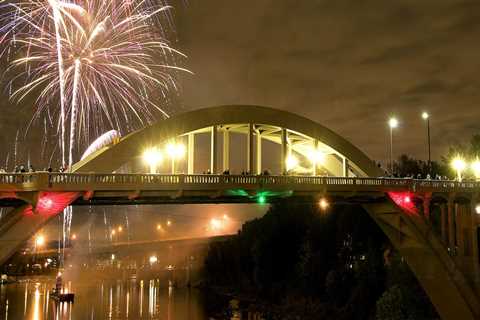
(146, 299)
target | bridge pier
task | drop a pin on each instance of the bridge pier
(191, 153)
(284, 151)
(259, 153)
(213, 150)
(250, 152)
(474, 234)
(443, 224)
(226, 150)
(451, 229)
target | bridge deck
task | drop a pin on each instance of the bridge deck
(43, 181)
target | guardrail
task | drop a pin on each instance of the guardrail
(46, 181)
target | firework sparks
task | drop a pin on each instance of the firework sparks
(100, 61)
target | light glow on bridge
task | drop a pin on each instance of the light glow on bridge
(404, 200)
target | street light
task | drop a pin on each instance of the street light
(426, 117)
(476, 168)
(153, 259)
(39, 241)
(323, 204)
(152, 157)
(458, 164)
(316, 157)
(175, 151)
(392, 124)
(291, 162)
(477, 209)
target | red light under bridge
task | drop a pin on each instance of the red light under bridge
(404, 200)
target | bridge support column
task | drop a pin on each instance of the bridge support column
(474, 241)
(226, 150)
(459, 213)
(443, 224)
(315, 163)
(191, 153)
(213, 150)
(259, 153)
(250, 149)
(426, 206)
(451, 226)
(284, 152)
(345, 167)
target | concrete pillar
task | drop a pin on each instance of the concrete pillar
(345, 167)
(315, 163)
(191, 153)
(213, 150)
(474, 238)
(250, 148)
(259, 153)
(426, 206)
(226, 150)
(451, 225)
(284, 152)
(459, 224)
(443, 224)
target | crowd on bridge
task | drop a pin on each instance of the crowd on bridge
(30, 169)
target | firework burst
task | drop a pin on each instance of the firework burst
(100, 64)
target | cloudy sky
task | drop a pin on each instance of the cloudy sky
(348, 64)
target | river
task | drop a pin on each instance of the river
(132, 299)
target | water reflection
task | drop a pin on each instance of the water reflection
(105, 300)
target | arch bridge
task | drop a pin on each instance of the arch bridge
(433, 224)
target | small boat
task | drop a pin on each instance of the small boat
(57, 295)
(62, 297)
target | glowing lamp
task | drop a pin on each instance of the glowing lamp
(316, 156)
(476, 168)
(459, 165)
(477, 209)
(153, 259)
(323, 204)
(39, 240)
(175, 150)
(291, 162)
(393, 123)
(262, 199)
(425, 115)
(152, 157)
(215, 224)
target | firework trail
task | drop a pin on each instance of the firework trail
(102, 60)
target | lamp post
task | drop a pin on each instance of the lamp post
(392, 124)
(458, 164)
(152, 157)
(476, 169)
(175, 151)
(426, 117)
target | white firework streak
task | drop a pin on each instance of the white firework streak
(104, 59)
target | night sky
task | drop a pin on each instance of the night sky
(347, 64)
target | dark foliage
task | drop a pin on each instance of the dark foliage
(327, 265)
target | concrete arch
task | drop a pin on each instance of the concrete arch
(110, 158)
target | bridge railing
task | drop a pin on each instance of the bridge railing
(17, 178)
(45, 181)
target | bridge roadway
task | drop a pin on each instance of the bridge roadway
(134, 247)
(111, 188)
(445, 261)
